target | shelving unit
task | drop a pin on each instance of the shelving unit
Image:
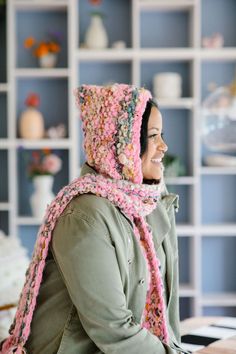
(156, 35)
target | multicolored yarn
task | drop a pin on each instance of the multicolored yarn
(112, 118)
(119, 181)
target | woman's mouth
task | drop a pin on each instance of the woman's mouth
(157, 161)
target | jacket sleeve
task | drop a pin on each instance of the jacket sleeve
(87, 261)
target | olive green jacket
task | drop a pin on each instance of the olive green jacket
(95, 281)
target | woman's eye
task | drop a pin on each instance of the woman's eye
(152, 136)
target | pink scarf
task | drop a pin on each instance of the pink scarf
(136, 201)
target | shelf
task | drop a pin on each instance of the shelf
(185, 180)
(42, 143)
(205, 170)
(42, 73)
(4, 87)
(6, 144)
(28, 221)
(186, 290)
(179, 103)
(218, 230)
(225, 299)
(185, 230)
(5, 206)
(167, 54)
(222, 54)
(105, 54)
(41, 5)
(164, 5)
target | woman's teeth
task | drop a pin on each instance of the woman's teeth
(156, 160)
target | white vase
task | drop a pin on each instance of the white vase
(42, 195)
(48, 61)
(31, 124)
(96, 35)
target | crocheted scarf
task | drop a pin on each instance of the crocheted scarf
(106, 126)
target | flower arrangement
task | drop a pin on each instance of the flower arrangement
(44, 162)
(32, 100)
(44, 47)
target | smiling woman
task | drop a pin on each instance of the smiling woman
(104, 269)
(153, 147)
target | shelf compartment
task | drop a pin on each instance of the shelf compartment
(216, 191)
(177, 128)
(219, 311)
(25, 185)
(3, 46)
(185, 250)
(35, 23)
(222, 22)
(3, 115)
(155, 24)
(116, 13)
(150, 68)
(186, 307)
(102, 73)
(221, 73)
(4, 178)
(28, 235)
(4, 221)
(184, 214)
(55, 109)
(218, 261)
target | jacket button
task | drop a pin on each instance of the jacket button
(129, 261)
(141, 281)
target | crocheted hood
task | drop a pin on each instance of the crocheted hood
(112, 118)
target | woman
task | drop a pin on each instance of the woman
(110, 282)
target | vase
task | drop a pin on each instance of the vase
(42, 195)
(96, 35)
(48, 61)
(31, 124)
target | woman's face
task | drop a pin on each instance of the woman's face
(152, 167)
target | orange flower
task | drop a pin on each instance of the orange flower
(53, 47)
(41, 50)
(29, 42)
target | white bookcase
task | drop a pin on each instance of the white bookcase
(139, 60)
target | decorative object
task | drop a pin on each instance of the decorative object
(41, 169)
(118, 45)
(220, 160)
(219, 119)
(31, 122)
(173, 166)
(96, 35)
(56, 132)
(167, 85)
(46, 51)
(214, 41)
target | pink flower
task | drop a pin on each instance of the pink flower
(52, 164)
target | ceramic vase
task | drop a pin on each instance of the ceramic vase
(42, 195)
(48, 61)
(96, 35)
(31, 124)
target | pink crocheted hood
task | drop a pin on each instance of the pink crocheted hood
(112, 119)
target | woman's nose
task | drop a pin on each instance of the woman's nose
(163, 147)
